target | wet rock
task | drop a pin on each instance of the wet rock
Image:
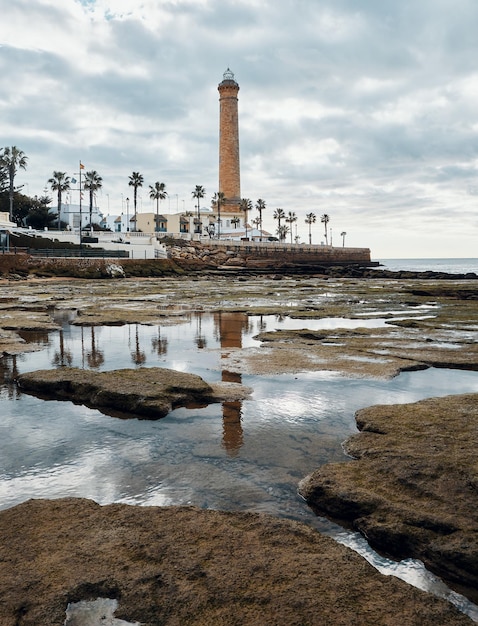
(413, 492)
(150, 393)
(182, 565)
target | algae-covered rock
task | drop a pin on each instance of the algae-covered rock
(150, 393)
(414, 489)
(185, 566)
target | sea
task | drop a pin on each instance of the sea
(450, 266)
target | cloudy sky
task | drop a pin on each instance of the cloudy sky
(362, 109)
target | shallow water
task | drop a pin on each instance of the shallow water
(242, 455)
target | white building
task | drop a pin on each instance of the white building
(70, 215)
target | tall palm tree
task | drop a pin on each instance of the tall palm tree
(198, 193)
(310, 219)
(279, 215)
(235, 220)
(12, 160)
(325, 219)
(135, 180)
(218, 199)
(342, 234)
(290, 219)
(246, 206)
(93, 182)
(157, 192)
(260, 206)
(59, 182)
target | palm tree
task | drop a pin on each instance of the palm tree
(11, 160)
(157, 192)
(310, 219)
(260, 206)
(59, 182)
(256, 222)
(235, 220)
(279, 215)
(218, 199)
(135, 180)
(325, 219)
(290, 219)
(93, 182)
(342, 234)
(199, 193)
(246, 206)
(282, 231)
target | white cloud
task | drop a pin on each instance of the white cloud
(364, 111)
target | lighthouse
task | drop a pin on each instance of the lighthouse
(229, 165)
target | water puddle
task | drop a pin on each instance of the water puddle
(244, 455)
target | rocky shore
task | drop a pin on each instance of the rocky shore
(411, 490)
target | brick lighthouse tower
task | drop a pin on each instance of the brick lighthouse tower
(229, 166)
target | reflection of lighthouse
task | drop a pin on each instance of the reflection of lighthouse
(229, 166)
(230, 327)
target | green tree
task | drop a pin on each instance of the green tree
(12, 159)
(59, 182)
(135, 180)
(198, 193)
(218, 199)
(290, 219)
(309, 220)
(235, 220)
(93, 182)
(157, 192)
(279, 215)
(246, 206)
(282, 232)
(39, 216)
(260, 206)
(325, 219)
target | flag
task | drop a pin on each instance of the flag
(82, 167)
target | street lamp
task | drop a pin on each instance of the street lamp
(127, 215)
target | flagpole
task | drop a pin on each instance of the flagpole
(81, 218)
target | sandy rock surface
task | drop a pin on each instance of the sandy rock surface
(414, 489)
(185, 566)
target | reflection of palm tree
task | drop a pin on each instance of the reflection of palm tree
(94, 357)
(9, 373)
(62, 358)
(138, 356)
(199, 338)
(160, 345)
